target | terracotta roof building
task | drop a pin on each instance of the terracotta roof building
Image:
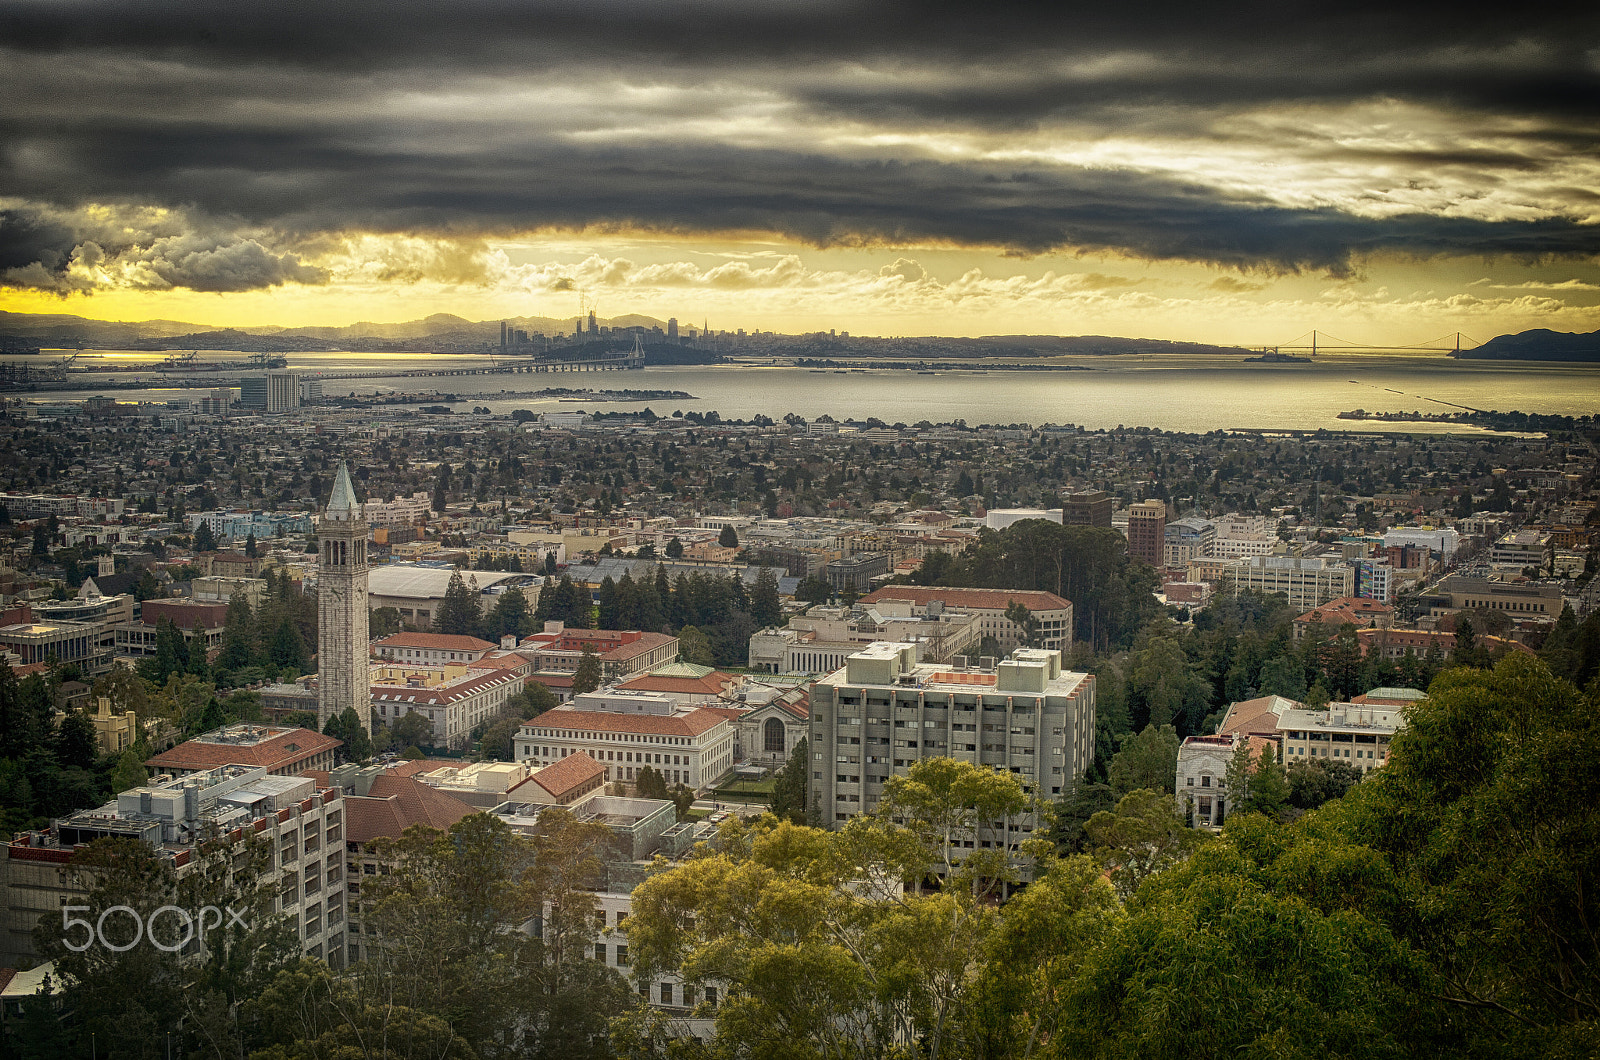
(431, 648)
(379, 804)
(626, 731)
(391, 804)
(623, 653)
(1360, 612)
(453, 707)
(688, 683)
(570, 782)
(283, 751)
(1395, 643)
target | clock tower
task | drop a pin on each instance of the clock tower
(343, 672)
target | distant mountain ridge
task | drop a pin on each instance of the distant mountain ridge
(1540, 344)
(65, 329)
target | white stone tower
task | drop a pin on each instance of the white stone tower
(343, 673)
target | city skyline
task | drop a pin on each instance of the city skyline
(875, 168)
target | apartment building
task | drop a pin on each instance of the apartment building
(302, 825)
(1086, 508)
(883, 712)
(626, 731)
(1522, 548)
(1147, 530)
(1307, 583)
(1053, 613)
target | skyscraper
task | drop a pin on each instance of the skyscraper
(672, 329)
(343, 674)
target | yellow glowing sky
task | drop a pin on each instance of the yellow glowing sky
(914, 290)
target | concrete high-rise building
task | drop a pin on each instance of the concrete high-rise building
(275, 392)
(885, 711)
(343, 673)
(310, 391)
(1087, 508)
(1147, 528)
(672, 329)
(283, 391)
(503, 328)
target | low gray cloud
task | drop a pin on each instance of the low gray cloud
(202, 264)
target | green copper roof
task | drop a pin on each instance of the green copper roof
(344, 493)
(681, 669)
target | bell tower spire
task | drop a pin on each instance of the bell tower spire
(343, 672)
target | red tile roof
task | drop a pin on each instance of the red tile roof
(280, 751)
(969, 599)
(1347, 609)
(395, 804)
(631, 644)
(692, 723)
(440, 695)
(421, 765)
(1251, 716)
(436, 642)
(569, 774)
(711, 684)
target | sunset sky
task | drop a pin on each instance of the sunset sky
(1385, 176)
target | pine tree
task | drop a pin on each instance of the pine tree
(674, 549)
(729, 538)
(458, 613)
(766, 606)
(288, 650)
(788, 800)
(204, 540)
(587, 677)
(1269, 785)
(648, 783)
(608, 604)
(509, 616)
(250, 546)
(239, 643)
(346, 727)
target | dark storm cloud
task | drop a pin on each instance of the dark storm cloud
(26, 239)
(280, 119)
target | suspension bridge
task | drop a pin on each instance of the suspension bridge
(1315, 342)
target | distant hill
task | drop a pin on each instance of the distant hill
(1540, 344)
